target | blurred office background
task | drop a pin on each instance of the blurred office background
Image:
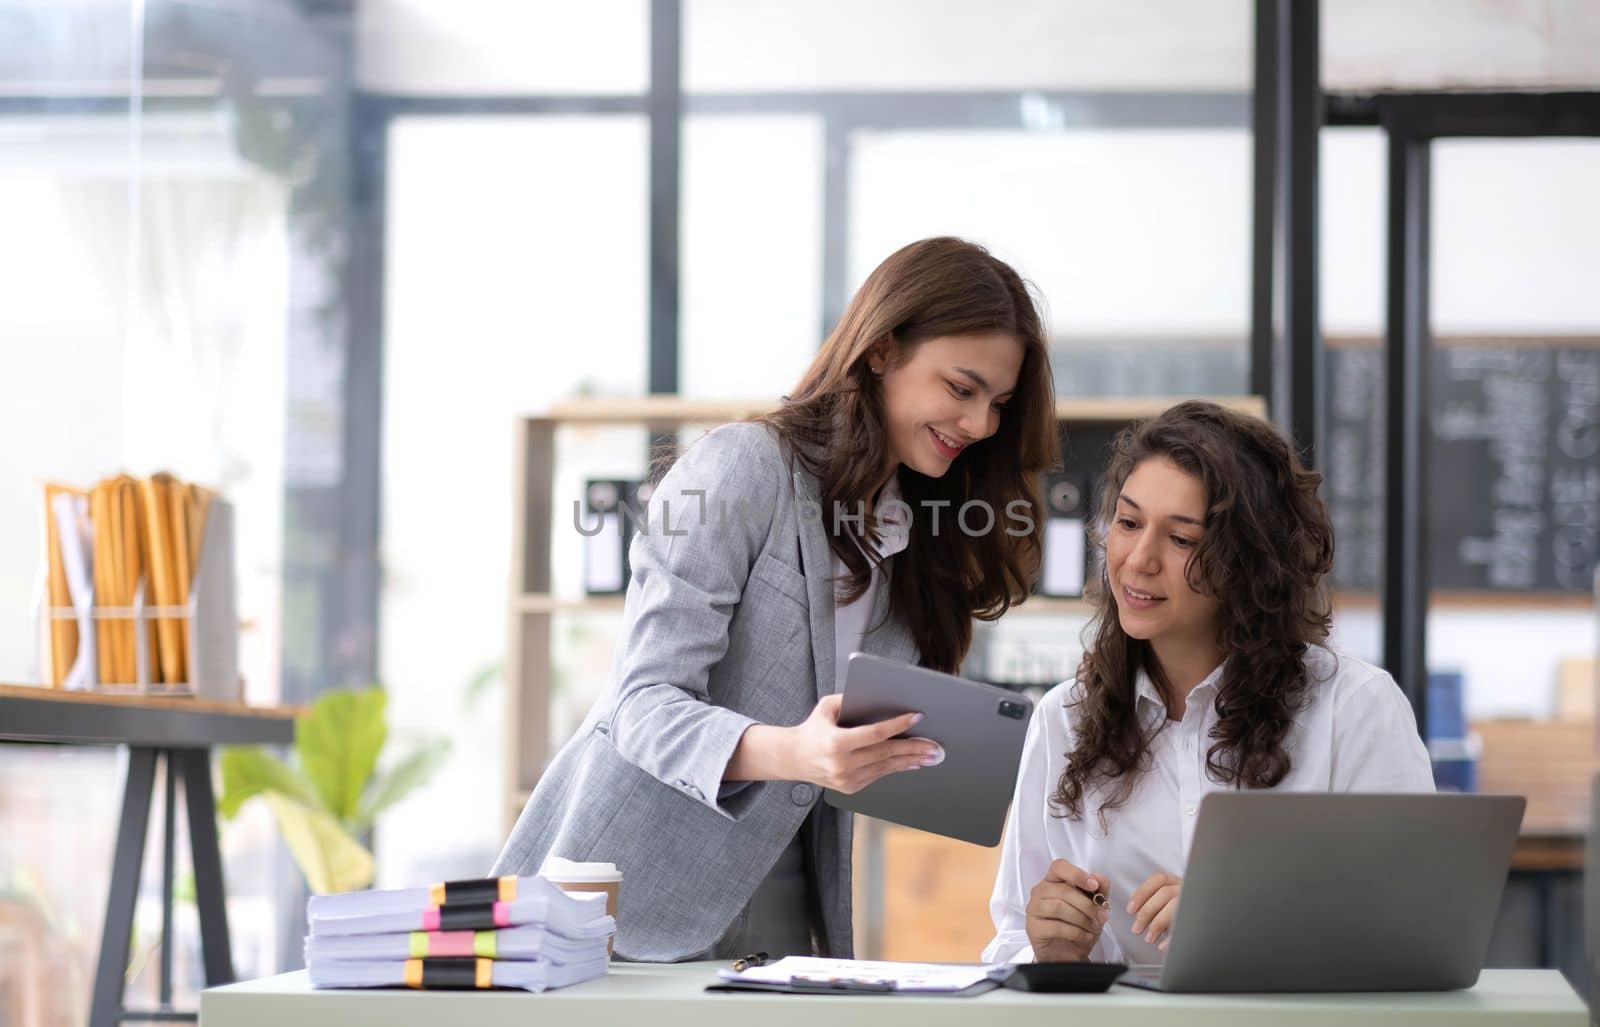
(322, 254)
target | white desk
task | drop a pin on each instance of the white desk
(644, 995)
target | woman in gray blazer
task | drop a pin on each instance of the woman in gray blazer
(888, 502)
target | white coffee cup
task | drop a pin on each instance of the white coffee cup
(569, 875)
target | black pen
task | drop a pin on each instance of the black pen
(753, 959)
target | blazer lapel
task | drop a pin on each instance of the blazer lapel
(818, 560)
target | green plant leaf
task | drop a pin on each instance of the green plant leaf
(247, 771)
(405, 777)
(331, 860)
(338, 742)
(479, 684)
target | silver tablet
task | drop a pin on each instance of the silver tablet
(981, 728)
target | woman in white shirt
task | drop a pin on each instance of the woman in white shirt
(1207, 672)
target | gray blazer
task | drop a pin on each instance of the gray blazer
(728, 622)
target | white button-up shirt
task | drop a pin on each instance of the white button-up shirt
(1356, 734)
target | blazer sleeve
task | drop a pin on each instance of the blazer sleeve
(708, 521)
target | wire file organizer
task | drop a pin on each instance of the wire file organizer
(207, 624)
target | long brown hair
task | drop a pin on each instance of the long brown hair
(1267, 545)
(834, 424)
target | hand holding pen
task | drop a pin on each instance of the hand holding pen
(1066, 912)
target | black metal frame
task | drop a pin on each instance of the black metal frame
(665, 105)
(1290, 111)
(1265, 207)
(193, 766)
(1413, 121)
(1407, 344)
(1288, 362)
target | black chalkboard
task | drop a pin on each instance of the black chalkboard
(1514, 464)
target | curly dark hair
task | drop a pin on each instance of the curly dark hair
(1267, 546)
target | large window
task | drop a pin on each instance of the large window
(173, 253)
(751, 275)
(516, 278)
(323, 255)
(1144, 272)
(1514, 225)
(814, 139)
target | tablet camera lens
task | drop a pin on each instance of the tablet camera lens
(1014, 710)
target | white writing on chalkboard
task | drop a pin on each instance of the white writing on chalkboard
(1354, 463)
(1578, 432)
(1513, 464)
(1575, 491)
(1509, 410)
(1575, 516)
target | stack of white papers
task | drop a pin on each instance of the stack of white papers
(508, 932)
(529, 975)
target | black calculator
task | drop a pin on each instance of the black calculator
(1063, 977)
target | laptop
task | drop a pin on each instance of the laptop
(1317, 892)
(982, 729)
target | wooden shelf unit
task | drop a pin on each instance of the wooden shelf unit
(534, 604)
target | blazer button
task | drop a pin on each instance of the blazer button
(802, 794)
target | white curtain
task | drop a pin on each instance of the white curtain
(202, 357)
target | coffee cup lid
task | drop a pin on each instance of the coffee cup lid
(558, 869)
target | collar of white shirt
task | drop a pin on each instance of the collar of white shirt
(1145, 689)
(894, 528)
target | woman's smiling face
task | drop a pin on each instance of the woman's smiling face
(944, 394)
(1159, 519)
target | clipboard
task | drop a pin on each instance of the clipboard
(805, 975)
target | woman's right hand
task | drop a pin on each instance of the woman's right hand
(847, 759)
(1063, 922)
(819, 751)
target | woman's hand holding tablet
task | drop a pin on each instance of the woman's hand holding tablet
(818, 750)
(979, 728)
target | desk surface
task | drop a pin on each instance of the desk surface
(33, 714)
(673, 996)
